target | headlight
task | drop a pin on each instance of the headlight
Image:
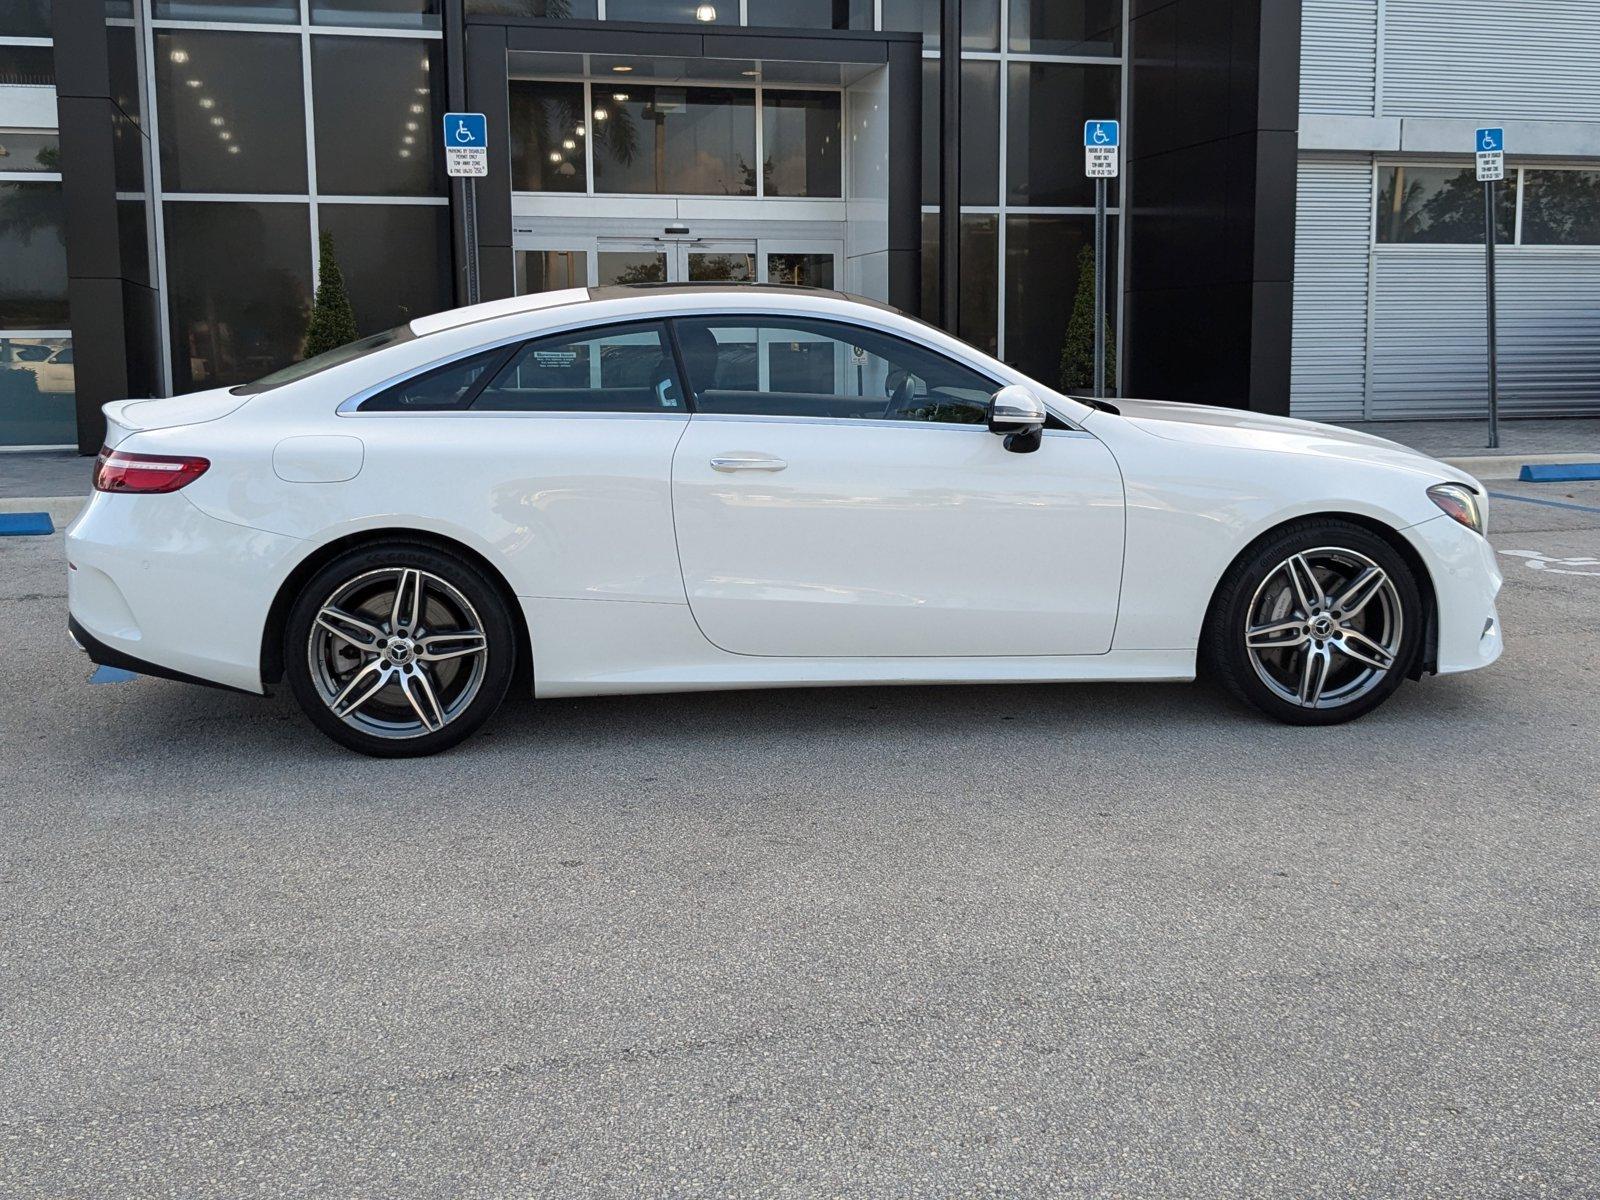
(1462, 503)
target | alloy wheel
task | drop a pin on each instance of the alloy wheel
(397, 652)
(1325, 627)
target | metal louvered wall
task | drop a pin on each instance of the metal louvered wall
(1428, 337)
(1339, 56)
(1333, 233)
(1518, 61)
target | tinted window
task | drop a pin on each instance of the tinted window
(1066, 26)
(1439, 204)
(374, 103)
(399, 14)
(548, 125)
(442, 389)
(777, 366)
(1561, 208)
(29, 150)
(25, 18)
(388, 288)
(232, 112)
(328, 358)
(622, 368)
(33, 256)
(238, 288)
(27, 66)
(801, 132)
(695, 140)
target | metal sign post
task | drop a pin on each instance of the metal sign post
(466, 156)
(1490, 147)
(1101, 161)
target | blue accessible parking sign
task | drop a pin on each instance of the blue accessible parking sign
(466, 145)
(1101, 133)
(1101, 153)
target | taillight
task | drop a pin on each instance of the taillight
(115, 471)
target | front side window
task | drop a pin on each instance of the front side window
(620, 368)
(800, 367)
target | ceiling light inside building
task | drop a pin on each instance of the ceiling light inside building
(192, 82)
(207, 102)
(569, 144)
(555, 156)
(179, 56)
(705, 12)
(599, 114)
(620, 97)
(233, 149)
(217, 121)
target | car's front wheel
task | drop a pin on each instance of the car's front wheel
(1318, 623)
(397, 649)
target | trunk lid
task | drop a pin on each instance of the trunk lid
(125, 417)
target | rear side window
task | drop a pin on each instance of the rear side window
(617, 368)
(444, 389)
(349, 352)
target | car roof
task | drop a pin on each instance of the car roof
(513, 305)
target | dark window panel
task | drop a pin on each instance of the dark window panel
(36, 386)
(1066, 26)
(658, 140)
(27, 66)
(1439, 205)
(388, 288)
(568, 10)
(980, 22)
(1045, 270)
(254, 11)
(29, 150)
(699, 12)
(551, 270)
(631, 266)
(122, 53)
(133, 241)
(239, 290)
(801, 132)
(812, 14)
(980, 132)
(979, 304)
(1559, 208)
(127, 153)
(25, 18)
(801, 270)
(1047, 106)
(33, 256)
(548, 127)
(232, 112)
(376, 100)
(387, 14)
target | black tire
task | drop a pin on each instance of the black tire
(1263, 578)
(427, 685)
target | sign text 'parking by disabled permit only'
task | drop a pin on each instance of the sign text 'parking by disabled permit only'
(1102, 155)
(466, 145)
(1491, 146)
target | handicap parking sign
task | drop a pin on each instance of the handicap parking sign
(466, 144)
(1489, 145)
(1101, 149)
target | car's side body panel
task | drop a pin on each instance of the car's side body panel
(842, 539)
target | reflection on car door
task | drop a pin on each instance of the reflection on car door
(858, 533)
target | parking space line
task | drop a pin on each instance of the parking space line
(1547, 503)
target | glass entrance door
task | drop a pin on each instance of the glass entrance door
(544, 264)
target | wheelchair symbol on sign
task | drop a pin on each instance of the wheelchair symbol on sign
(1488, 142)
(1100, 138)
(462, 133)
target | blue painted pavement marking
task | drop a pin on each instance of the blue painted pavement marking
(1559, 472)
(25, 524)
(111, 675)
(1546, 503)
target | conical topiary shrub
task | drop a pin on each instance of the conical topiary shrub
(333, 321)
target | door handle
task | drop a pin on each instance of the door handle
(746, 462)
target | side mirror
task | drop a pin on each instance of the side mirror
(1020, 415)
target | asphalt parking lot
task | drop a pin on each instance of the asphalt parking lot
(1111, 940)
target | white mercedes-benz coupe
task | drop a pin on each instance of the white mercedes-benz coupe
(662, 489)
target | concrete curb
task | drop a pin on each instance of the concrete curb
(62, 509)
(1509, 466)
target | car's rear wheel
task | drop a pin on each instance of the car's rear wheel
(398, 649)
(1318, 623)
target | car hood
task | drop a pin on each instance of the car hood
(1201, 424)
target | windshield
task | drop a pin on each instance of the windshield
(329, 358)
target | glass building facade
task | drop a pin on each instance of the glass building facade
(764, 141)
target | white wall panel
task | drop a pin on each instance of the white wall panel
(1333, 225)
(1338, 56)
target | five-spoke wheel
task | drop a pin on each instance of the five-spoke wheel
(1318, 623)
(398, 650)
